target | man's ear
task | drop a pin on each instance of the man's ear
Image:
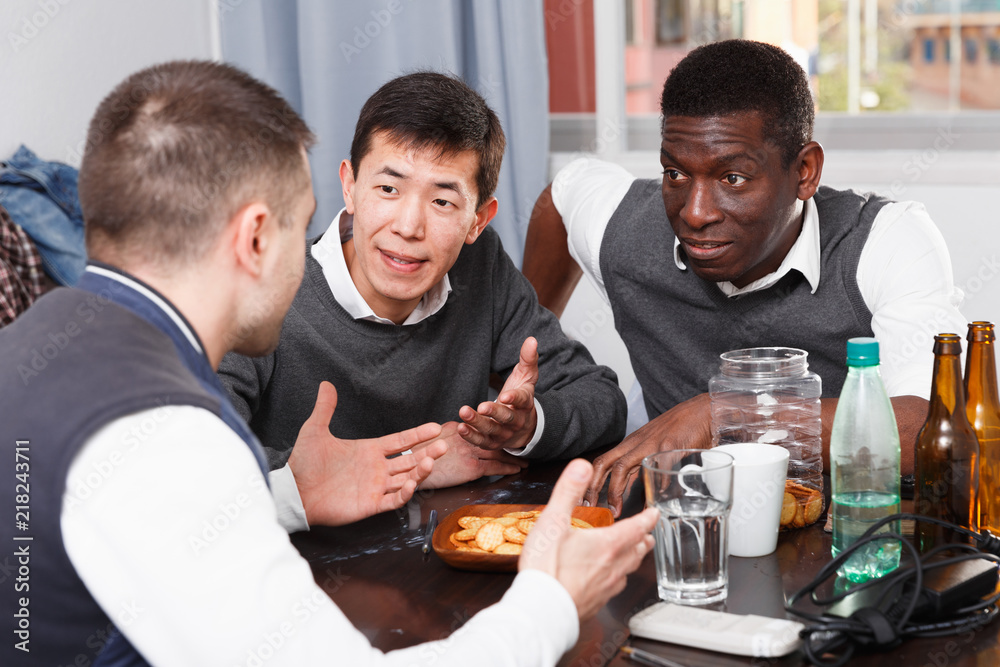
(485, 213)
(809, 168)
(252, 236)
(347, 183)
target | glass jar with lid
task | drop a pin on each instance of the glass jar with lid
(769, 395)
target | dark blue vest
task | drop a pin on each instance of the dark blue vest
(78, 359)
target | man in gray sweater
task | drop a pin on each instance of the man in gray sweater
(409, 304)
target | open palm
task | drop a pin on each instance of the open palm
(341, 481)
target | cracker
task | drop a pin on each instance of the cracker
(800, 516)
(798, 490)
(512, 534)
(508, 548)
(813, 507)
(788, 506)
(579, 523)
(472, 521)
(489, 536)
(521, 515)
(506, 521)
(525, 525)
(467, 534)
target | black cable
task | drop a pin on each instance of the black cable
(887, 622)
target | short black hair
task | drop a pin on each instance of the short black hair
(433, 110)
(176, 149)
(739, 76)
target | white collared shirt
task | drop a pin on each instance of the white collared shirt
(904, 272)
(328, 252)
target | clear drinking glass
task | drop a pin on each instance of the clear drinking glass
(693, 490)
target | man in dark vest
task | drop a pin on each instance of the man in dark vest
(739, 246)
(146, 527)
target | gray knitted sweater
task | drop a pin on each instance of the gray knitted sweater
(390, 378)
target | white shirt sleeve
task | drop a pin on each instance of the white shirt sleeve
(586, 192)
(291, 513)
(539, 428)
(191, 563)
(905, 277)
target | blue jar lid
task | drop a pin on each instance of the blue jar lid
(862, 352)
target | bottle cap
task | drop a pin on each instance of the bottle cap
(862, 352)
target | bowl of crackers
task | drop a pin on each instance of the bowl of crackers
(488, 538)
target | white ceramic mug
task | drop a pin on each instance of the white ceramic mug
(759, 472)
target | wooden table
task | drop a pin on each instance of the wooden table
(374, 570)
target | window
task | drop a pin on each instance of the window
(880, 69)
(669, 21)
(971, 50)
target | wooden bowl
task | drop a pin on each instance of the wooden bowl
(487, 562)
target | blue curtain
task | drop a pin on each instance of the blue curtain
(327, 58)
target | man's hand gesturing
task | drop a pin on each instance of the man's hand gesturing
(509, 422)
(591, 564)
(341, 481)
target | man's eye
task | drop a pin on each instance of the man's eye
(443, 203)
(388, 189)
(672, 174)
(735, 179)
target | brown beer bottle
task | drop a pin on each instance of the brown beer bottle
(983, 411)
(947, 456)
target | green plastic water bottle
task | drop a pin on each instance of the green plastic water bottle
(864, 462)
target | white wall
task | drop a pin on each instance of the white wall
(59, 58)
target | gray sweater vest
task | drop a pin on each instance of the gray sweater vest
(675, 325)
